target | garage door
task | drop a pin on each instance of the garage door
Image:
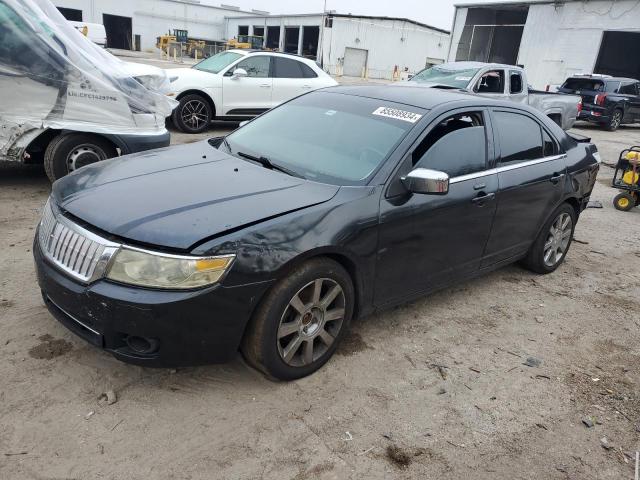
(619, 55)
(355, 61)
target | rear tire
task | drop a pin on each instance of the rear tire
(193, 115)
(553, 242)
(624, 202)
(69, 152)
(615, 121)
(300, 323)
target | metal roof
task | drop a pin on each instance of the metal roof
(342, 15)
(512, 3)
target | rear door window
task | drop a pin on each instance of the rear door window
(520, 137)
(287, 68)
(516, 82)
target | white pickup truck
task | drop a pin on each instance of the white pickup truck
(502, 82)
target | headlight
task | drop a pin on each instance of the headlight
(157, 270)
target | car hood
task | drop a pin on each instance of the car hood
(179, 196)
(182, 78)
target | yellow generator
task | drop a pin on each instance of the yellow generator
(627, 179)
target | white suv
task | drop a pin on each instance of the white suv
(239, 84)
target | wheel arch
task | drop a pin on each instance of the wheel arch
(203, 94)
(38, 145)
(342, 258)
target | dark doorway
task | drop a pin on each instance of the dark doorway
(119, 31)
(492, 34)
(273, 38)
(291, 38)
(243, 30)
(71, 14)
(310, 36)
(258, 31)
(619, 55)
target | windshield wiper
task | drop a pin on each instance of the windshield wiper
(266, 163)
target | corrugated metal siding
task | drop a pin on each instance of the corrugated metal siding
(562, 40)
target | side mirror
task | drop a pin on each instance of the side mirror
(239, 73)
(426, 182)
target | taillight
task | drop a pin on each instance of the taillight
(580, 106)
(600, 99)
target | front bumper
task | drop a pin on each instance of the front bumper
(140, 143)
(190, 328)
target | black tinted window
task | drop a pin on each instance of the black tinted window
(287, 68)
(629, 89)
(516, 82)
(307, 71)
(520, 137)
(456, 146)
(550, 146)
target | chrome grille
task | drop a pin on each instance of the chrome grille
(78, 252)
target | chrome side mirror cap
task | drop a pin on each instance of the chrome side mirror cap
(426, 182)
(239, 73)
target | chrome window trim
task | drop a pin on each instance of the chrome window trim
(506, 168)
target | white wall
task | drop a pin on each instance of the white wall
(562, 40)
(152, 18)
(383, 39)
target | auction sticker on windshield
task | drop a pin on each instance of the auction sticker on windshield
(398, 114)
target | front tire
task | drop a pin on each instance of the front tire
(69, 152)
(553, 242)
(300, 323)
(193, 115)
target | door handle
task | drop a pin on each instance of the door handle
(482, 198)
(306, 87)
(556, 178)
(265, 85)
(480, 186)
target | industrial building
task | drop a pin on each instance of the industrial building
(351, 45)
(551, 39)
(136, 24)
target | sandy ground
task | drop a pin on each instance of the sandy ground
(436, 389)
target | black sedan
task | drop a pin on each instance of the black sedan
(331, 206)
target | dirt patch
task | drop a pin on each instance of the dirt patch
(352, 344)
(6, 303)
(50, 348)
(399, 457)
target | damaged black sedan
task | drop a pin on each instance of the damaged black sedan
(271, 240)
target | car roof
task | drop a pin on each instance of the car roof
(603, 79)
(249, 51)
(407, 93)
(469, 65)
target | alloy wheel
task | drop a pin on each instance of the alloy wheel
(194, 114)
(616, 120)
(558, 240)
(311, 322)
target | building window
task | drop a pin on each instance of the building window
(243, 30)
(258, 31)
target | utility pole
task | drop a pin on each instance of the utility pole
(321, 43)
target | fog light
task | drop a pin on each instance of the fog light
(142, 345)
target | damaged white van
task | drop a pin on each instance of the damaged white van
(65, 101)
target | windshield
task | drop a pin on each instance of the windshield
(218, 62)
(590, 84)
(327, 137)
(446, 76)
